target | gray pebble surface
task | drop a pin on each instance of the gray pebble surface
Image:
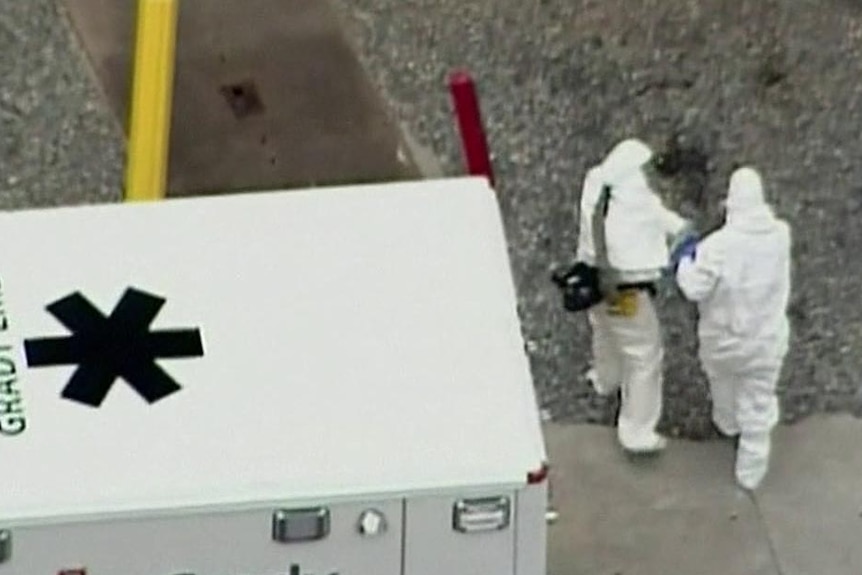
(768, 82)
(59, 144)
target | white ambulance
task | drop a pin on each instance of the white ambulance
(316, 382)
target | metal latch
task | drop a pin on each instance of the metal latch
(298, 525)
(486, 514)
(5, 545)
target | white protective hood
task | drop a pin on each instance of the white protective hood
(747, 209)
(635, 226)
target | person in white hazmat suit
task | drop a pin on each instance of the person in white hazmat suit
(740, 278)
(626, 337)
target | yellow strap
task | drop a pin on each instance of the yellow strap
(625, 304)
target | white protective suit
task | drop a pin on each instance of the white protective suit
(740, 278)
(627, 350)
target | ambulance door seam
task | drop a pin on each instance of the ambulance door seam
(517, 534)
(404, 536)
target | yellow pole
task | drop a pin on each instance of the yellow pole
(151, 100)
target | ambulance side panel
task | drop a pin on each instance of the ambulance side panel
(208, 544)
(433, 546)
(531, 530)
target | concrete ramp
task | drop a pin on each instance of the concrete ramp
(682, 513)
(679, 513)
(268, 94)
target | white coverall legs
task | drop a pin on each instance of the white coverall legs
(628, 355)
(724, 388)
(744, 403)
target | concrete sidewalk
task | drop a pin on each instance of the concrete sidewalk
(680, 513)
(269, 95)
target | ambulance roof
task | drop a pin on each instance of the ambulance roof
(355, 340)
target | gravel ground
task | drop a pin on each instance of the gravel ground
(58, 142)
(773, 83)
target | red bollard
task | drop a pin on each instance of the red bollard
(473, 140)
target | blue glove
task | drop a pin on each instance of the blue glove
(687, 248)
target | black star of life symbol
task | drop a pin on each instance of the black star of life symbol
(107, 348)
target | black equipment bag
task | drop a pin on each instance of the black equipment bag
(580, 283)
